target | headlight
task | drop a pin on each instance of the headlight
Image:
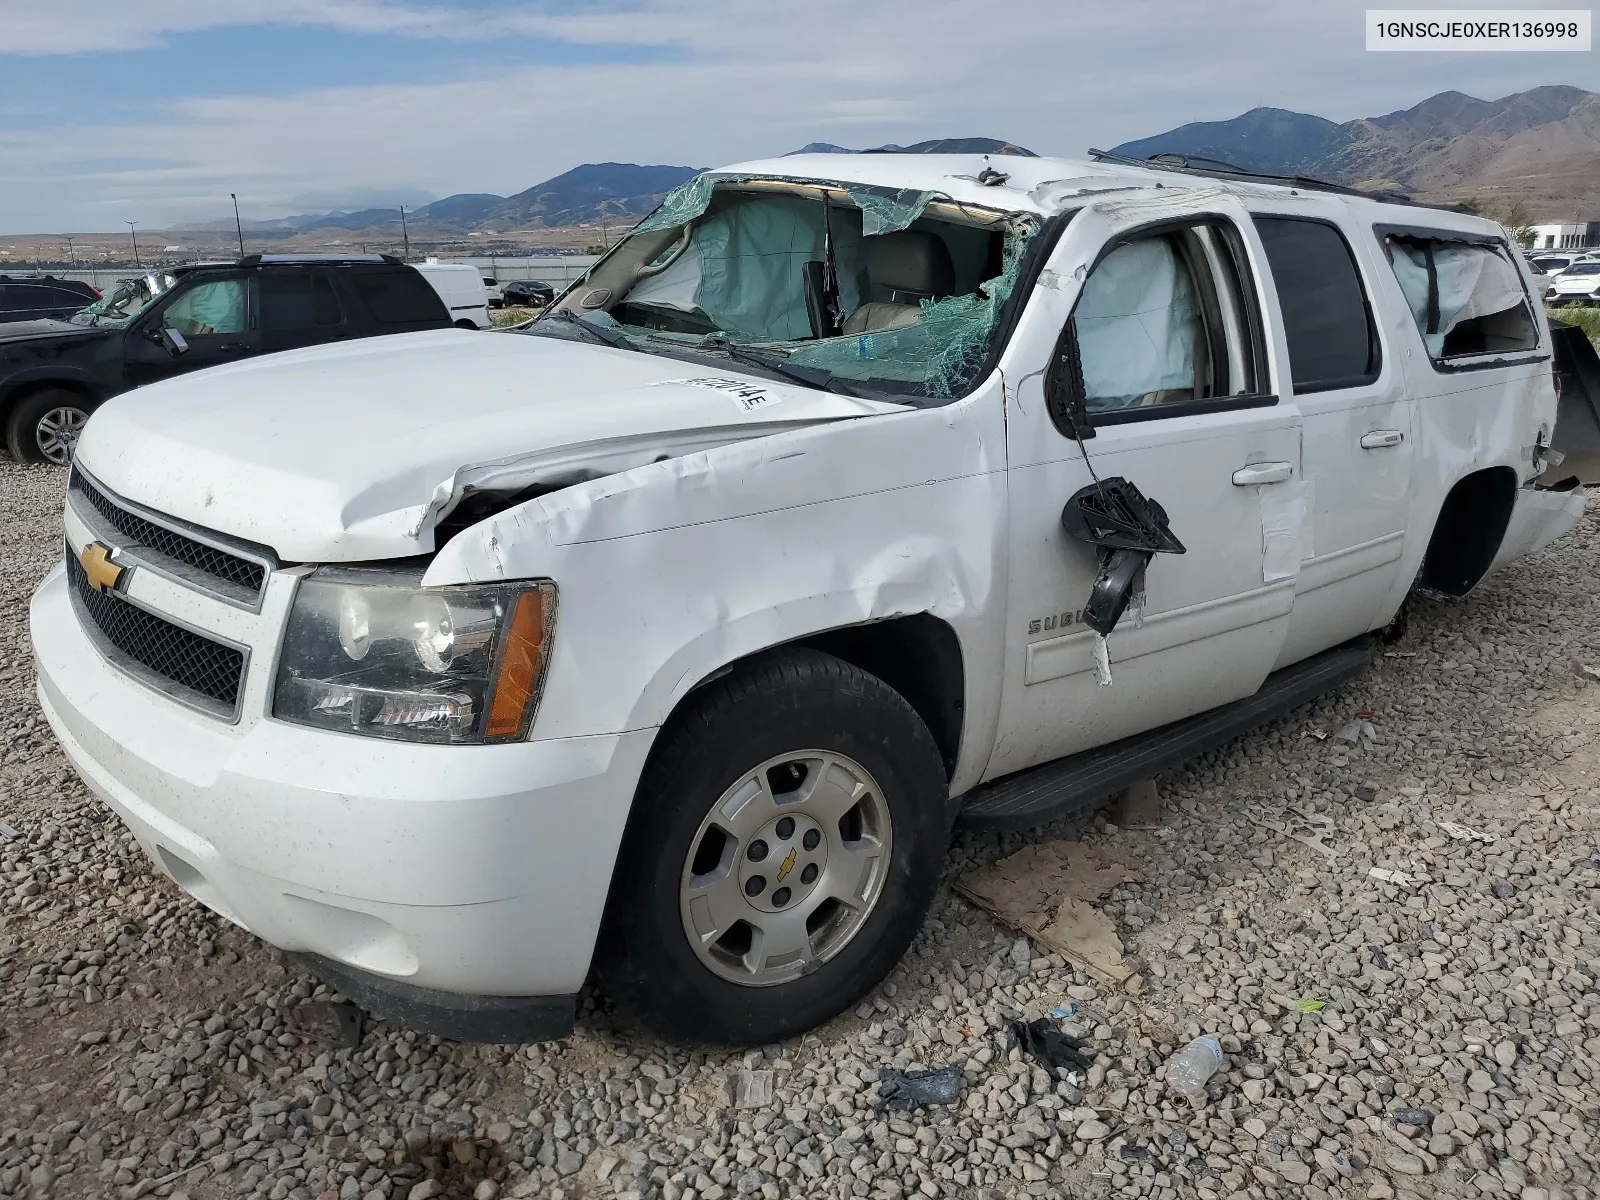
(376, 654)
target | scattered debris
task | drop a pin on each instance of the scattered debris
(1309, 828)
(1318, 732)
(752, 1089)
(324, 1021)
(1309, 1004)
(1191, 1068)
(1365, 714)
(1389, 876)
(909, 1090)
(1585, 672)
(1050, 1047)
(1045, 890)
(10, 832)
(1139, 806)
(1357, 731)
(1464, 833)
(1064, 1012)
(1399, 653)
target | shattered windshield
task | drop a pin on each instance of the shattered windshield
(119, 305)
(835, 285)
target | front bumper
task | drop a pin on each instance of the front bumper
(476, 871)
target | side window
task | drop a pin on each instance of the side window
(399, 297)
(1332, 340)
(1466, 297)
(214, 307)
(1162, 320)
(291, 302)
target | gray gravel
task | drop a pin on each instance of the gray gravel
(144, 1049)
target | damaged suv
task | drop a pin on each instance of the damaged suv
(846, 498)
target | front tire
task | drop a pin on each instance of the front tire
(45, 425)
(785, 845)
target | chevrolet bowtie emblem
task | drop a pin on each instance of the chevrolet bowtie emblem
(98, 568)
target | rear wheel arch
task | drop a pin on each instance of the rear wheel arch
(1468, 531)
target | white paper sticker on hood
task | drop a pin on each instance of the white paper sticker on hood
(747, 396)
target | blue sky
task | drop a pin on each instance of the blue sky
(154, 110)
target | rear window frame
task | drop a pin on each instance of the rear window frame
(1374, 333)
(1493, 360)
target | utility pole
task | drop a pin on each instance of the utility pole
(135, 235)
(405, 235)
(238, 227)
(71, 253)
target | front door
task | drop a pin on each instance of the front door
(1163, 334)
(213, 317)
(1360, 437)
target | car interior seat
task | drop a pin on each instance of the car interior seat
(911, 265)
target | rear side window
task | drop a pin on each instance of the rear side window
(1326, 317)
(399, 297)
(1466, 297)
(298, 302)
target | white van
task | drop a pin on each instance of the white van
(848, 497)
(461, 287)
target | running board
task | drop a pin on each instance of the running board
(1078, 783)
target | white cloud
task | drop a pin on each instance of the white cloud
(752, 79)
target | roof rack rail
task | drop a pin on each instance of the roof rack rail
(256, 260)
(1216, 168)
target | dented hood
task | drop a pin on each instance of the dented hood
(354, 451)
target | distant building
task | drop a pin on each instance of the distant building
(1573, 236)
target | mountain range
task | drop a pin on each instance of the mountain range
(619, 193)
(1536, 152)
(1539, 149)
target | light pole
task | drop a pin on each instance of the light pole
(238, 228)
(71, 253)
(405, 235)
(135, 235)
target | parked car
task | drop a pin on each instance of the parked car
(42, 297)
(491, 287)
(1578, 284)
(1555, 264)
(461, 288)
(53, 374)
(846, 498)
(527, 293)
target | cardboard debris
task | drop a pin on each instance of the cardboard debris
(1045, 890)
(1463, 833)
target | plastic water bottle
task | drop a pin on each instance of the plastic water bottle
(1189, 1068)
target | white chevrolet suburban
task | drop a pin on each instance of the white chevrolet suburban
(847, 498)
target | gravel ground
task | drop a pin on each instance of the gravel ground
(144, 1050)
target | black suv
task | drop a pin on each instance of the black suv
(53, 373)
(42, 297)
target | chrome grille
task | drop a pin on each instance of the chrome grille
(231, 575)
(194, 669)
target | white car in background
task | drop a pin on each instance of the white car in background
(1578, 284)
(460, 286)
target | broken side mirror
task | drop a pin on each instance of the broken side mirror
(1128, 529)
(172, 340)
(814, 276)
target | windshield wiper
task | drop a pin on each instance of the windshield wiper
(813, 377)
(610, 337)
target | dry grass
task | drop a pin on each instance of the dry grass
(1587, 318)
(501, 317)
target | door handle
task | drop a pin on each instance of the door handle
(1268, 472)
(1380, 439)
(233, 347)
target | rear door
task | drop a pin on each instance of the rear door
(1360, 427)
(1163, 338)
(299, 308)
